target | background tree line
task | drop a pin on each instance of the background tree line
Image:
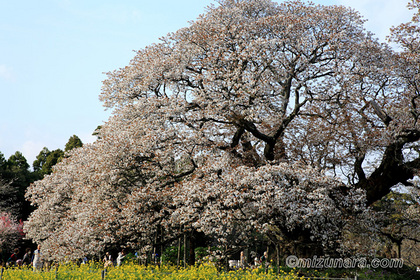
(15, 177)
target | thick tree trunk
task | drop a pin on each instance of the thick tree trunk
(278, 258)
(178, 259)
(191, 250)
(392, 170)
(399, 244)
(185, 250)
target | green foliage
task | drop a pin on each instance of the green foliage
(18, 169)
(39, 162)
(96, 132)
(398, 220)
(52, 159)
(46, 159)
(170, 255)
(394, 204)
(41, 159)
(74, 142)
(130, 258)
(8, 199)
(16, 177)
(201, 252)
(3, 165)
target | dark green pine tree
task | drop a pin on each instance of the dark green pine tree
(8, 194)
(46, 159)
(18, 175)
(3, 166)
(39, 162)
(97, 132)
(74, 142)
(52, 159)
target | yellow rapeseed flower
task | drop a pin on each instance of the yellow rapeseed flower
(133, 271)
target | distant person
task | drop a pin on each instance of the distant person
(108, 261)
(264, 260)
(121, 257)
(264, 257)
(256, 261)
(27, 258)
(37, 259)
(13, 258)
(242, 260)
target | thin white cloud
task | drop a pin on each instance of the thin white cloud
(6, 73)
(87, 137)
(30, 149)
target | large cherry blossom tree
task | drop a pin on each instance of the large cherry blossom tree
(288, 119)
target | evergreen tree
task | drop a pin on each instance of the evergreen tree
(8, 193)
(18, 175)
(37, 165)
(41, 158)
(74, 142)
(3, 165)
(52, 159)
(96, 132)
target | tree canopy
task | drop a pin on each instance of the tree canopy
(74, 142)
(288, 119)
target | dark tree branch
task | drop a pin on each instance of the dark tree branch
(358, 167)
(392, 169)
(250, 126)
(381, 113)
(237, 137)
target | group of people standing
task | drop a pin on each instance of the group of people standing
(34, 259)
(109, 261)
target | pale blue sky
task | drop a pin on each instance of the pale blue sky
(53, 54)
